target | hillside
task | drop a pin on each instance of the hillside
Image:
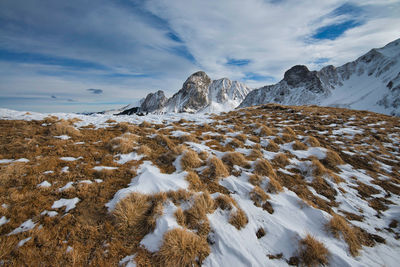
(268, 185)
(372, 82)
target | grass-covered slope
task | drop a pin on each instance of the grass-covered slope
(264, 186)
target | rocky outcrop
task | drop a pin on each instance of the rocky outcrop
(192, 97)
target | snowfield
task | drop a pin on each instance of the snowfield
(244, 188)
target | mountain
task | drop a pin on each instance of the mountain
(198, 94)
(151, 103)
(372, 82)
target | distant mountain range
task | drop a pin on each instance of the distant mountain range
(372, 82)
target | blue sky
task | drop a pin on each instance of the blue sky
(92, 55)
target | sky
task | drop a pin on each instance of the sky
(93, 55)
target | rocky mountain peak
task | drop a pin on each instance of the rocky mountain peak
(299, 74)
(154, 101)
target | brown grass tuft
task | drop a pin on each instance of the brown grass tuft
(313, 252)
(216, 169)
(64, 128)
(297, 145)
(144, 150)
(318, 168)
(136, 214)
(265, 131)
(195, 183)
(182, 248)
(190, 160)
(258, 196)
(123, 144)
(145, 124)
(180, 217)
(203, 155)
(332, 159)
(260, 232)
(224, 202)
(263, 167)
(312, 141)
(338, 225)
(272, 146)
(256, 179)
(238, 219)
(234, 158)
(274, 186)
(281, 160)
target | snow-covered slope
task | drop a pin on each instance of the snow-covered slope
(199, 192)
(372, 82)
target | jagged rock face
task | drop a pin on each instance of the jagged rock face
(372, 82)
(299, 75)
(153, 102)
(193, 95)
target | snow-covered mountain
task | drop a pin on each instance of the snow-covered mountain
(198, 94)
(372, 82)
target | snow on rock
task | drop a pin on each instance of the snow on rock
(153, 241)
(25, 226)
(23, 241)
(6, 161)
(3, 220)
(150, 181)
(49, 213)
(62, 137)
(69, 158)
(69, 204)
(124, 158)
(101, 168)
(44, 184)
(128, 261)
(65, 187)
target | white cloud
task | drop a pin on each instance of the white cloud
(129, 39)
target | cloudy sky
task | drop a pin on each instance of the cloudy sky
(91, 55)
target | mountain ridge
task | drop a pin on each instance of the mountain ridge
(371, 82)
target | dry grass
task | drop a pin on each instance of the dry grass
(182, 248)
(215, 169)
(235, 158)
(224, 202)
(312, 141)
(281, 160)
(123, 144)
(332, 159)
(64, 128)
(238, 219)
(256, 179)
(297, 145)
(313, 252)
(274, 186)
(133, 214)
(272, 146)
(318, 168)
(339, 226)
(144, 150)
(194, 181)
(265, 131)
(190, 160)
(255, 154)
(260, 232)
(258, 196)
(263, 167)
(203, 155)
